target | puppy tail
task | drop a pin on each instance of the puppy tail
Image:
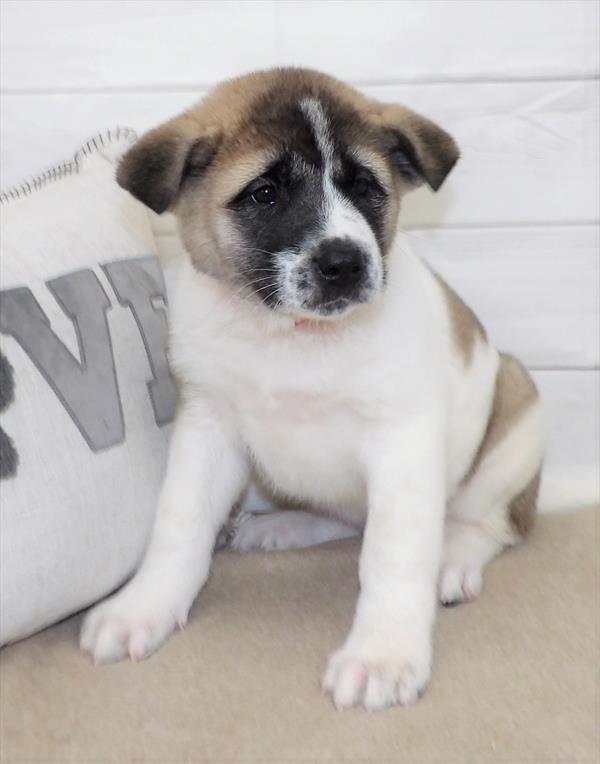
(572, 488)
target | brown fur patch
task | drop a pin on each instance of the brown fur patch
(435, 151)
(466, 327)
(514, 393)
(522, 509)
(154, 168)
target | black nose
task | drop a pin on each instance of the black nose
(339, 266)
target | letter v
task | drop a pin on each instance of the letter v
(88, 387)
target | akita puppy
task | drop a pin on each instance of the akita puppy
(321, 360)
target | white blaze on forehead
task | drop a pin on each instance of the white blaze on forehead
(314, 112)
(342, 219)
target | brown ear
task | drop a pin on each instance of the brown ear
(417, 147)
(155, 166)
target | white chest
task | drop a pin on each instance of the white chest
(307, 445)
(305, 404)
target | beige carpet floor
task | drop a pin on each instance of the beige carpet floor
(515, 677)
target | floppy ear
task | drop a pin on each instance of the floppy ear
(418, 148)
(155, 166)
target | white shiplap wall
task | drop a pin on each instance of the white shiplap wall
(515, 229)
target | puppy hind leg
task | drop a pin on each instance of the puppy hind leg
(494, 510)
(467, 550)
(476, 530)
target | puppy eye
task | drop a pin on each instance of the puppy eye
(264, 195)
(362, 185)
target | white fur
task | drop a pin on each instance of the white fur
(205, 474)
(371, 419)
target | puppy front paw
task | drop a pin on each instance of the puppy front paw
(127, 625)
(362, 678)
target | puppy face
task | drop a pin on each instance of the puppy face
(287, 186)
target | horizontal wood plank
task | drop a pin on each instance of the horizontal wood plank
(537, 290)
(529, 150)
(571, 403)
(182, 43)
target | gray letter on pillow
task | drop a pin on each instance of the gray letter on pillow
(137, 283)
(86, 388)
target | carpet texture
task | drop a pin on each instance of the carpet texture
(515, 676)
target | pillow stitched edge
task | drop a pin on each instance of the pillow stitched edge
(70, 166)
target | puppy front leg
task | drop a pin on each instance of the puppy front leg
(206, 472)
(386, 658)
